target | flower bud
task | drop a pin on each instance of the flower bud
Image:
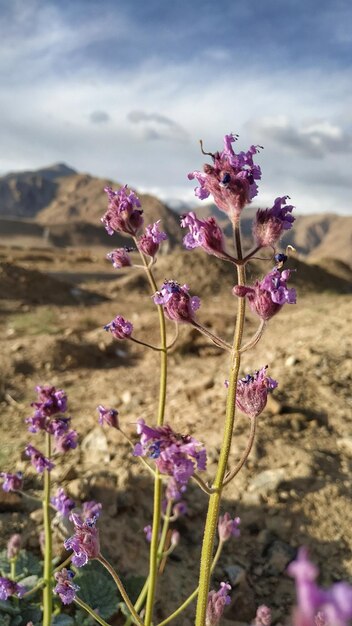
(13, 546)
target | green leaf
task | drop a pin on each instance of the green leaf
(30, 613)
(26, 564)
(6, 606)
(63, 620)
(98, 589)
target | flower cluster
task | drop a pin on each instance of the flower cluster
(149, 242)
(65, 588)
(119, 328)
(268, 296)
(252, 392)
(230, 180)
(205, 234)
(176, 455)
(120, 257)
(178, 305)
(123, 214)
(326, 607)
(12, 482)
(217, 600)
(38, 460)
(228, 527)
(108, 417)
(9, 588)
(85, 541)
(269, 224)
(62, 503)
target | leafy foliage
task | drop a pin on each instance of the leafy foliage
(27, 564)
(97, 589)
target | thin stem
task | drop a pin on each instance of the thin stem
(256, 337)
(121, 589)
(13, 568)
(147, 345)
(37, 587)
(153, 555)
(141, 459)
(204, 487)
(92, 613)
(214, 338)
(194, 594)
(47, 592)
(63, 564)
(215, 498)
(244, 456)
(250, 255)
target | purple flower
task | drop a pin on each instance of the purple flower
(37, 422)
(252, 392)
(269, 224)
(108, 416)
(205, 234)
(175, 455)
(62, 503)
(268, 296)
(228, 527)
(179, 509)
(12, 482)
(59, 426)
(65, 588)
(217, 600)
(119, 328)
(38, 460)
(13, 546)
(330, 607)
(50, 401)
(230, 180)
(148, 532)
(67, 441)
(120, 257)
(123, 214)
(149, 242)
(85, 541)
(263, 616)
(178, 305)
(10, 588)
(91, 509)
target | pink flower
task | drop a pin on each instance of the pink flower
(228, 527)
(120, 257)
(205, 234)
(149, 242)
(85, 541)
(178, 305)
(108, 416)
(230, 180)
(269, 224)
(252, 392)
(268, 296)
(119, 327)
(123, 214)
(217, 600)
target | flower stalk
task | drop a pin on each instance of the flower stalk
(48, 588)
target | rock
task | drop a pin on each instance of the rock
(236, 574)
(126, 397)
(95, 447)
(266, 482)
(279, 555)
(37, 516)
(291, 360)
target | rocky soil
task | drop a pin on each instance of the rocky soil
(295, 488)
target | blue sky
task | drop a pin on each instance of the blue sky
(125, 89)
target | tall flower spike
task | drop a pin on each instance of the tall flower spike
(230, 180)
(123, 214)
(178, 305)
(217, 600)
(252, 392)
(269, 224)
(205, 234)
(268, 296)
(119, 328)
(85, 541)
(149, 242)
(65, 588)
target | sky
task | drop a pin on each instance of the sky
(124, 89)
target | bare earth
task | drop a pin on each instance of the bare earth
(295, 488)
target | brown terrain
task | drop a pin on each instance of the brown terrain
(56, 293)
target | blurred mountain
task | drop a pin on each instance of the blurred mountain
(68, 207)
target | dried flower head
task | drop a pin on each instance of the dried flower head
(178, 305)
(119, 328)
(268, 296)
(65, 588)
(123, 214)
(230, 179)
(85, 541)
(269, 224)
(252, 392)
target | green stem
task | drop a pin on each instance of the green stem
(63, 564)
(194, 594)
(153, 554)
(143, 594)
(37, 587)
(13, 568)
(47, 591)
(87, 608)
(121, 589)
(215, 499)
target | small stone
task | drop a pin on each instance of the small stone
(291, 361)
(267, 481)
(126, 397)
(95, 447)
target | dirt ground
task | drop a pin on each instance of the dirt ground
(295, 488)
